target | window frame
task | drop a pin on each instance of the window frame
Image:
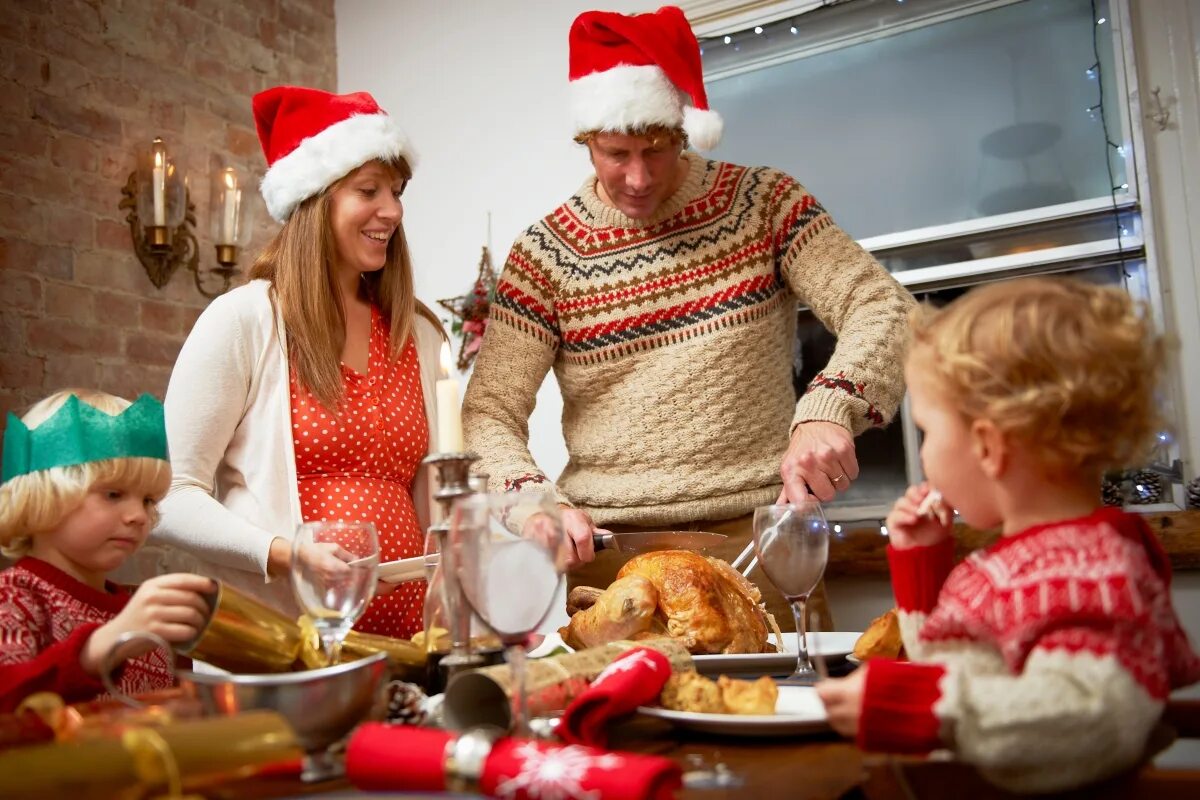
(1128, 132)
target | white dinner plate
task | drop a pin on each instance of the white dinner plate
(831, 645)
(404, 570)
(798, 710)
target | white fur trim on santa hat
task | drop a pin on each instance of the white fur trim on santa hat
(625, 98)
(320, 160)
(703, 128)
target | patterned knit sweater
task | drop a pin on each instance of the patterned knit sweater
(1045, 660)
(672, 341)
(46, 617)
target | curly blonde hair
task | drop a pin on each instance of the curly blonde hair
(1069, 367)
(37, 502)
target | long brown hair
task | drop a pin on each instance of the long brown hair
(298, 263)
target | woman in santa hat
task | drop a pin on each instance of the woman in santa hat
(307, 393)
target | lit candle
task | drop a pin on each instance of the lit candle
(233, 198)
(449, 427)
(159, 185)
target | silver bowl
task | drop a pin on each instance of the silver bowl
(321, 705)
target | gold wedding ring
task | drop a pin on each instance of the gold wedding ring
(838, 478)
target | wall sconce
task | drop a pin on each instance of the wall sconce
(162, 217)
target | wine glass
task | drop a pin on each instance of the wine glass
(511, 556)
(792, 544)
(334, 566)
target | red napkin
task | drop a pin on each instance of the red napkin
(387, 757)
(634, 679)
(406, 758)
(525, 770)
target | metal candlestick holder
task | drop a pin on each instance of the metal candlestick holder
(453, 470)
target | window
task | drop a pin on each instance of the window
(960, 141)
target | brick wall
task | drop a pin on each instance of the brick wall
(84, 86)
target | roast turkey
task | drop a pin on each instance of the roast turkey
(701, 601)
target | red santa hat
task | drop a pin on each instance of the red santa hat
(311, 138)
(628, 72)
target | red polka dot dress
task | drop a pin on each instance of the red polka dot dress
(360, 465)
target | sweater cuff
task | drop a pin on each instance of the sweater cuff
(74, 680)
(823, 405)
(918, 574)
(897, 710)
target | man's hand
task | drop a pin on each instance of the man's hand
(843, 699)
(820, 460)
(577, 535)
(578, 529)
(908, 527)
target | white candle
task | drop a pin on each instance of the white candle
(233, 197)
(449, 427)
(159, 186)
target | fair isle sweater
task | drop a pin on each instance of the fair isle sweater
(672, 341)
(1044, 660)
(46, 618)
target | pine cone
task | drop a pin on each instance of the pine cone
(1111, 494)
(1193, 493)
(1148, 488)
(405, 704)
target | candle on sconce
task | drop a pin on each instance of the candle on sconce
(449, 425)
(233, 198)
(159, 185)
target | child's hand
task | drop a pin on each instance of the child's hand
(843, 698)
(171, 606)
(909, 527)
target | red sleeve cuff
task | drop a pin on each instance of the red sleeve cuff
(56, 669)
(918, 574)
(897, 711)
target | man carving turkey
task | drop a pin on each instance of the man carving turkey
(664, 294)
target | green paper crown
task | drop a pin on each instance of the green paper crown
(79, 433)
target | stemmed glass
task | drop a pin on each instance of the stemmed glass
(792, 544)
(334, 566)
(511, 557)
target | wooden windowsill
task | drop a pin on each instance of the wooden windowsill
(862, 552)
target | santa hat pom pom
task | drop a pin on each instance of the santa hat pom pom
(703, 128)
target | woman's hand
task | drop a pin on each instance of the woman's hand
(171, 606)
(843, 699)
(908, 527)
(325, 560)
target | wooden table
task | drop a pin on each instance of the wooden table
(819, 767)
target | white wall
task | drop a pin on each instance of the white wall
(481, 88)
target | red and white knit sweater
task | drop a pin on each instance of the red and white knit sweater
(46, 617)
(672, 340)
(1045, 660)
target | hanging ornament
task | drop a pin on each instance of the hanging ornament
(470, 311)
(1110, 492)
(1148, 487)
(1193, 493)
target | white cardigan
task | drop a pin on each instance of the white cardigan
(229, 432)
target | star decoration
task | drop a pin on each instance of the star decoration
(470, 311)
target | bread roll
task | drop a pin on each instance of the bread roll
(881, 638)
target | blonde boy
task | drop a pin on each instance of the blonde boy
(82, 472)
